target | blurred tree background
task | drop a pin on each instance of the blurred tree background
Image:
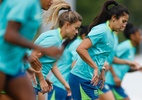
(90, 8)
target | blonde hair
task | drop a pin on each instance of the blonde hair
(52, 15)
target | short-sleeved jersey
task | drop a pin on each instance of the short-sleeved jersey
(102, 38)
(48, 39)
(125, 51)
(26, 12)
(65, 62)
(113, 53)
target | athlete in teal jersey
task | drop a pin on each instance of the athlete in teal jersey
(12, 55)
(102, 39)
(68, 23)
(106, 93)
(126, 50)
(19, 23)
(30, 23)
(46, 40)
(94, 50)
(64, 64)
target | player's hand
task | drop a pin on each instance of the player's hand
(68, 89)
(95, 78)
(44, 86)
(134, 65)
(117, 81)
(34, 61)
(102, 79)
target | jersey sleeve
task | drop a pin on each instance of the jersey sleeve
(95, 35)
(47, 41)
(20, 10)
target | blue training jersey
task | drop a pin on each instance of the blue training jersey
(48, 39)
(102, 38)
(26, 12)
(65, 62)
(127, 52)
(113, 53)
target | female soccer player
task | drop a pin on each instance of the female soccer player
(95, 49)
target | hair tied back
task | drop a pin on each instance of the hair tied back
(110, 4)
(68, 9)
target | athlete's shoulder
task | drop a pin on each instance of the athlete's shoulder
(49, 33)
(99, 29)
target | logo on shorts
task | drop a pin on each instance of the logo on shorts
(96, 92)
(106, 87)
